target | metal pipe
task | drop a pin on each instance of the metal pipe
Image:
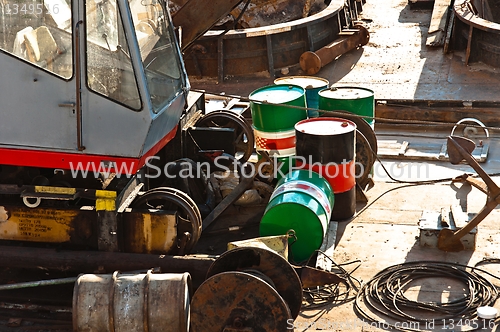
(35, 307)
(103, 262)
(312, 62)
(38, 283)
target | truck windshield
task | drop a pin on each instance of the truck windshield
(159, 54)
(109, 64)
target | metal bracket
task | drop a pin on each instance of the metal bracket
(432, 222)
(460, 148)
(130, 192)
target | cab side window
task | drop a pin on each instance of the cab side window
(109, 67)
(38, 32)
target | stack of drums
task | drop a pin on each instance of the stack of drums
(355, 100)
(312, 85)
(303, 201)
(132, 302)
(274, 121)
(327, 146)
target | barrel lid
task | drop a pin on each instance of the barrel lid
(277, 94)
(325, 126)
(307, 82)
(487, 312)
(346, 93)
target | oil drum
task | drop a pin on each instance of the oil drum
(131, 302)
(355, 100)
(312, 86)
(327, 146)
(273, 119)
(276, 143)
(303, 201)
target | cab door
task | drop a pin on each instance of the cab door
(112, 121)
(37, 75)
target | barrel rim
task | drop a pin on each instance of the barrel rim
(279, 80)
(251, 96)
(347, 87)
(324, 119)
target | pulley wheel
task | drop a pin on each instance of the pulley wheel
(244, 142)
(361, 125)
(239, 301)
(364, 158)
(267, 262)
(171, 199)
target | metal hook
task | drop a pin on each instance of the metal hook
(471, 120)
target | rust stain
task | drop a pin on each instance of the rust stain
(4, 215)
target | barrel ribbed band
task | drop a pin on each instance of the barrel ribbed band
(307, 188)
(341, 176)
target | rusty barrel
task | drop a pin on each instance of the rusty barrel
(131, 302)
(327, 146)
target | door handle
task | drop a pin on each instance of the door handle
(69, 105)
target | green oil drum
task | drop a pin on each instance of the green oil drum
(355, 100)
(302, 201)
(283, 165)
(312, 85)
(270, 107)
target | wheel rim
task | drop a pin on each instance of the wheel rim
(166, 198)
(244, 143)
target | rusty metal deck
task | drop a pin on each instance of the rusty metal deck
(396, 64)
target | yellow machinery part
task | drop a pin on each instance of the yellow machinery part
(105, 200)
(37, 225)
(150, 232)
(55, 190)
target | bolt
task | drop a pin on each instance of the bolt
(238, 322)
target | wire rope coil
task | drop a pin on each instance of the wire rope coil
(384, 295)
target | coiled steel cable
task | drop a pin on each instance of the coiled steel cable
(384, 295)
(343, 292)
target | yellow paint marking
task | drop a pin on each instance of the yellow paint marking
(55, 190)
(105, 194)
(105, 200)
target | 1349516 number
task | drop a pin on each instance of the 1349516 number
(30, 9)
(479, 324)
